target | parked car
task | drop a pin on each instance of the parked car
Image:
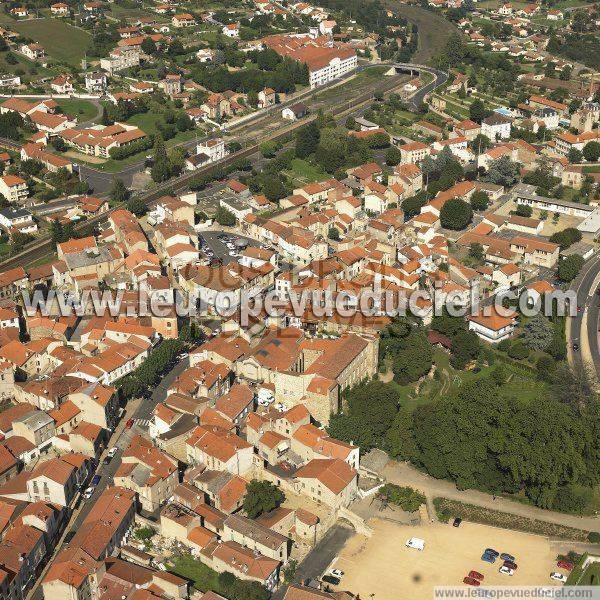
(510, 564)
(476, 575)
(471, 581)
(492, 551)
(337, 573)
(95, 480)
(112, 451)
(506, 571)
(456, 522)
(129, 424)
(488, 557)
(88, 493)
(558, 576)
(330, 579)
(507, 556)
(565, 564)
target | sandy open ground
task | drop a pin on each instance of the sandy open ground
(382, 565)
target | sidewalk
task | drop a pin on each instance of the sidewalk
(405, 474)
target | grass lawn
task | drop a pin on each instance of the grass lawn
(76, 107)
(62, 41)
(591, 576)
(304, 172)
(145, 121)
(202, 577)
(591, 169)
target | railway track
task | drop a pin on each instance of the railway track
(41, 248)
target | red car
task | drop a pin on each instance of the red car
(475, 575)
(471, 581)
(129, 424)
(510, 564)
(565, 564)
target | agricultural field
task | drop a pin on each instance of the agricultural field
(62, 41)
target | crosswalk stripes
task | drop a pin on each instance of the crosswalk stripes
(142, 422)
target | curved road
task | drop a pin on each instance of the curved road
(585, 326)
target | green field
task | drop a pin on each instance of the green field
(434, 30)
(591, 576)
(61, 41)
(303, 172)
(75, 107)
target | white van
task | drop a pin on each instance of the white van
(416, 543)
(265, 397)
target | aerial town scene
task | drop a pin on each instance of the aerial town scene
(299, 301)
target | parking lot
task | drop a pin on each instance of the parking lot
(380, 566)
(223, 246)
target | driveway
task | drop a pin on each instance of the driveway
(322, 555)
(402, 473)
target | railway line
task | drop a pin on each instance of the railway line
(350, 104)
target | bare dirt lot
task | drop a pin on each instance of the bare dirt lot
(382, 565)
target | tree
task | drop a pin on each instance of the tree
(119, 192)
(569, 267)
(137, 206)
(412, 205)
(523, 210)
(518, 351)
(334, 234)
(393, 156)
(477, 111)
(148, 46)
(591, 151)
(365, 422)
(456, 214)
(481, 143)
(480, 200)
(351, 124)
(160, 168)
(503, 171)
(274, 189)
(289, 572)
(261, 497)
(225, 217)
(406, 498)
(476, 252)
(574, 156)
(307, 140)
(567, 237)
(538, 332)
(415, 360)
(465, 348)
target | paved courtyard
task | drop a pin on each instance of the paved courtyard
(381, 566)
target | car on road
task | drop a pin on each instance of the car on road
(507, 556)
(575, 346)
(456, 522)
(337, 573)
(506, 571)
(565, 564)
(129, 424)
(471, 581)
(331, 579)
(476, 575)
(558, 576)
